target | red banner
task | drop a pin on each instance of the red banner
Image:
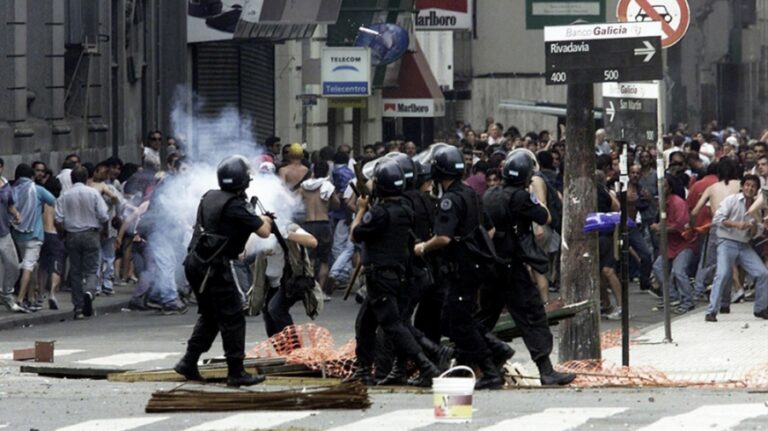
(452, 5)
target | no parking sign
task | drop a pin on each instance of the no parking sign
(674, 15)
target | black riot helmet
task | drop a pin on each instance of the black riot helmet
(388, 178)
(447, 162)
(234, 173)
(423, 173)
(519, 168)
(407, 165)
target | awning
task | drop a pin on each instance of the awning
(417, 94)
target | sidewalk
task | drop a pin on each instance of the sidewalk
(102, 304)
(703, 351)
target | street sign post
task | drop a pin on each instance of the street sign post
(617, 52)
(542, 13)
(674, 16)
(631, 111)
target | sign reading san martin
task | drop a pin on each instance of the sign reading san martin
(603, 53)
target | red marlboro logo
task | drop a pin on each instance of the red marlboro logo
(390, 107)
(453, 5)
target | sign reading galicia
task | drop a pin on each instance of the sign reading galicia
(345, 72)
(631, 111)
(444, 15)
(584, 54)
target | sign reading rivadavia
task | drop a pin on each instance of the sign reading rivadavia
(584, 54)
(630, 111)
(345, 72)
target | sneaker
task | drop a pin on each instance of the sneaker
(78, 316)
(16, 308)
(175, 307)
(53, 304)
(615, 315)
(88, 304)
(32, 306)
(108, 292)
(672, 304)
(655, 292)
(137, 304)
(725, 309)
(762, 314)
(682, 309)
(153, 305)
(737, 296)
(710, 317)
(700, 297)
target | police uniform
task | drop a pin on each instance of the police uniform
(459, 213)
(384, 232)
(512, 210)
(220, 304)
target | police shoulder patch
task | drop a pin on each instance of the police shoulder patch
(367, 217)
(446, 204)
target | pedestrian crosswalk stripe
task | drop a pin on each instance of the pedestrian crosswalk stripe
(400, 420)
(57, 353)
(710, 417)
(252, 421)
(123, 359)
(120, 424)
(555, 419)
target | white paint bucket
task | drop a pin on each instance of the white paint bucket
(452, 396)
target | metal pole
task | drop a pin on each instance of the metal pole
(624, 260)
(663, 208)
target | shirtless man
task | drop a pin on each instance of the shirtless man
(53, 255)
(112, 198)
(318, 195)
(729, 175)
(293, 171)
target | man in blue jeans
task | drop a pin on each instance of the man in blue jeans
(735, 228)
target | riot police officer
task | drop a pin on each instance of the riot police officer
(384, 233)
(458, 215)
(512, 209)
(224, 222)
(419, 273)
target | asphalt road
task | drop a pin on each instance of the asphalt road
(134, 340)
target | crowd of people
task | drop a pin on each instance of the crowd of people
(92, 225)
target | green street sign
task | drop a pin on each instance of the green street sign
(541, 13)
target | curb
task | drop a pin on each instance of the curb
(58, 316)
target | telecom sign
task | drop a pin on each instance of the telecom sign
(345, 72)
(584, 54)
(674, 16)
(630, 111)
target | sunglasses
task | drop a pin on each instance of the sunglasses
(156, 139)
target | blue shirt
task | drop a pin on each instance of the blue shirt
(6, 202)
(44, 197)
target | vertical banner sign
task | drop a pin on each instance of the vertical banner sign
(345, 72)
(631, 111)
(674, 16)
(542, 13)
(444, 15)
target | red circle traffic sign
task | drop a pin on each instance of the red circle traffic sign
(674, 15)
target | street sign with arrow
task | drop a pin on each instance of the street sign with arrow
(616, 52)
(631, 111)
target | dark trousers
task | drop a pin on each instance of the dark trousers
(458, 319)
(380, 308)
(637, 242)
(427, 318)
(220, 310)
(84, 251)
(513, 287)
(276, 311)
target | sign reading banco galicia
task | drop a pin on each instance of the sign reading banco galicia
(444, 15)
(345, 71)
(413, 108)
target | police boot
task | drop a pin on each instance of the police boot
(440, 353)
(362, 374)
(427, 370)
(549, 376)
(187, 367)
(396, 376)
(236, 375)
(491, 378)
(500, 351)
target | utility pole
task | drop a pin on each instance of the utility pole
(580, 276)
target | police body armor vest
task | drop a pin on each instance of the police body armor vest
(496, 202)
(391, 247)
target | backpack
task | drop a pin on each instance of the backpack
(554, 204)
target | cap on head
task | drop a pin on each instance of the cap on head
(296, 151)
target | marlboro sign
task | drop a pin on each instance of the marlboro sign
(444, 15)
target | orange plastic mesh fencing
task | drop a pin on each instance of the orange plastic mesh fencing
(310, 345)
(612, 337)
(599, 373)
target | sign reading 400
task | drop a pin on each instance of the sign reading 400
(584, 54)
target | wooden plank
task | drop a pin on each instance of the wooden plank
(209, 372)
(506, 329)
(69, 372)
(24, 354)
